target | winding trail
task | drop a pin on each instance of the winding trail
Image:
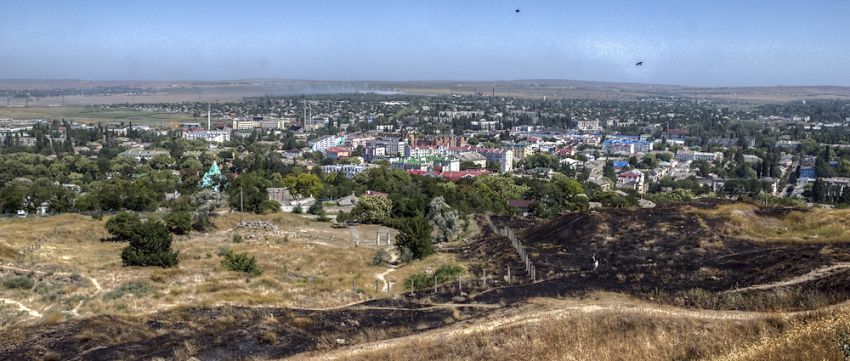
(383, 278)
(21, 307)
(813, 275)
(73, 312)
(94, 281)
(390, 268)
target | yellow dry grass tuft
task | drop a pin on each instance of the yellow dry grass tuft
(812, 338)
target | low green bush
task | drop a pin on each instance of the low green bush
(136, 288)
(422, 280)
(19, 282)
(241, 262)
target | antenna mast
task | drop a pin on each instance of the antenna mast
(209, 116)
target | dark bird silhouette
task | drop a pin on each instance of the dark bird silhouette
(639, 63)
(517, 10)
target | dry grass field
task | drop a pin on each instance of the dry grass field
(86, 114)
(612, 327)
(783, 225)
(75, 273)
(623, 336)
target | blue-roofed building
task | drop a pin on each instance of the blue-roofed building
(808, 173)
(807, 168)
(620, 164)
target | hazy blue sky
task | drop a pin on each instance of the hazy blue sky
(693, 42)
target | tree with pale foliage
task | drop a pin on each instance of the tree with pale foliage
(372, 209)
(444, 219)
(203, 205)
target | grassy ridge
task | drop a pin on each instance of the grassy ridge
(783, 225)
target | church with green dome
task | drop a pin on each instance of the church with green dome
(209, 179)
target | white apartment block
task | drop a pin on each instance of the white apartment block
(212, 136)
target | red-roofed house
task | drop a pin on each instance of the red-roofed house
(563, 152)
(677, 133)
(633, 179)
(450, 175)
(522, 206)
(337, 152)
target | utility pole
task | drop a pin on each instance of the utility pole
(241, 206)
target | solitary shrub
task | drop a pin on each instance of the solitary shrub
(122, 226)
(422, 280)
(269, 206)
(150, 245)
(48, 292)
(343, 217)
(381, 257)
(136, 288)
(316, 209)
(414, 238)
(237, 238)
(297, 209)
(21, 282)
(179, 222)
(241, 262)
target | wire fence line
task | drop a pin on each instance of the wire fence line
(508, 233)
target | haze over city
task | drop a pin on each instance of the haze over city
(707, 43)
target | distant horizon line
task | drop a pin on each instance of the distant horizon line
(460, 82)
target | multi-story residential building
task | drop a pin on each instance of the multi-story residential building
(245, 124)
(355, 141)
(328, 141)
(424, 151)
(687, 155)
(788, 144)
(626, 146)
(505, 157)
(349, 170)
(520, 150)
(212, 136)
(440, 141)
(384, 147)
(428, 163)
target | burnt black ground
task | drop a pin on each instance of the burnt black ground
(667, 254)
